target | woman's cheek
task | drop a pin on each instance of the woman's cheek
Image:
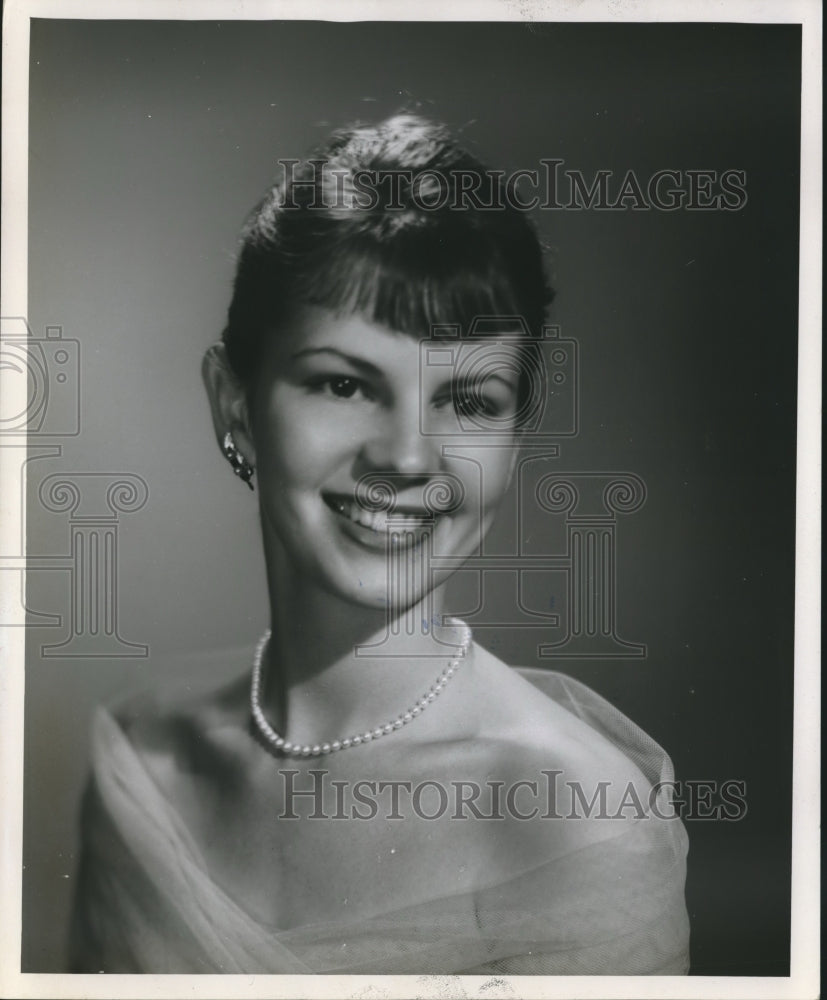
(494, 475)
(297, 437)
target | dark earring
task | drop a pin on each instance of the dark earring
(241, 467)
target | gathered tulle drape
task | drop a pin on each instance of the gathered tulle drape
(146, 901)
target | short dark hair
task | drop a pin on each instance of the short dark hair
(398, 259)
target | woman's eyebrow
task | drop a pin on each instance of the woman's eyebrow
(511, 383)
(351, 359)
(476, 380)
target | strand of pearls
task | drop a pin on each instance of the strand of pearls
(278, 743)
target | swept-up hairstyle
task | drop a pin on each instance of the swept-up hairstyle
(411, 253)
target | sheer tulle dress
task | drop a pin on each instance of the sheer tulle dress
(146, 901)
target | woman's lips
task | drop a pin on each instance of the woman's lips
(405, 526)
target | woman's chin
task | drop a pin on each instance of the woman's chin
(363, 586)
(389, 570)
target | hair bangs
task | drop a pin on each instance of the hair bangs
(413, 290)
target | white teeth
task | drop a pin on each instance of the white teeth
(374, 520)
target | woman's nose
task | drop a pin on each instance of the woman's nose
(399, 445)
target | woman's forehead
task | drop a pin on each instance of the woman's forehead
(314, 327)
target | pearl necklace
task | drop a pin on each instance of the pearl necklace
(278, 743)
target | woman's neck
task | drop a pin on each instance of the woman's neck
(333, 668)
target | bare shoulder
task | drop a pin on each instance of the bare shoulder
(193, 747)
(536, 725)
(570, 785)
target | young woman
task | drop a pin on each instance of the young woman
(383, 795)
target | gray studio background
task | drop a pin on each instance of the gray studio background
(150, 142)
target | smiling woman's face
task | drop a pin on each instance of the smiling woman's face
(341, 400)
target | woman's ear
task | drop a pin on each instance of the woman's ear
(228, 402)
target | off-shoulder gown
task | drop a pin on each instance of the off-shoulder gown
(146, 902)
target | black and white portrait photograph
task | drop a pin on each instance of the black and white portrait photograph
(409, 533)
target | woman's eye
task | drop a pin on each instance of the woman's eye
(343, 386)
(469, 404)
(340, 386)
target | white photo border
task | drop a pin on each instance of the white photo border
(803, 981)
